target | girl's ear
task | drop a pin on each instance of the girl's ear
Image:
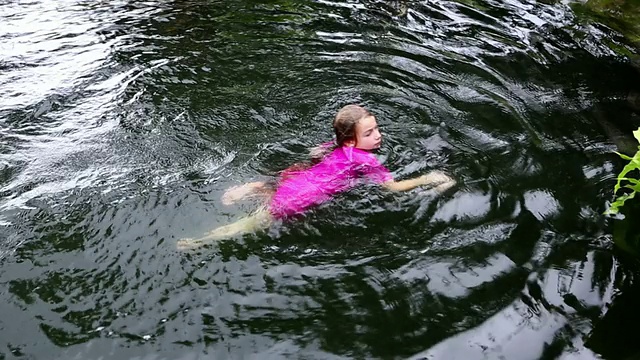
(350, 143)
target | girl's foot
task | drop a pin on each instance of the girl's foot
(261, 219)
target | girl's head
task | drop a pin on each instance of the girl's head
(356, 127)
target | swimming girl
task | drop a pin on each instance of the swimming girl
(339, 166)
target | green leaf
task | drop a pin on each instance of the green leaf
(618, 203)
(631, 183)
(625, 156)
(629, 167)
(631, 180)
(612, 210)
(634, 188)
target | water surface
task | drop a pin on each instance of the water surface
(122, 123)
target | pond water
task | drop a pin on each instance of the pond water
(122, 123)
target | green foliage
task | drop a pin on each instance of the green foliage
(626, 182)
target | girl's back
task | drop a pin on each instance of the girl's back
(337, 172)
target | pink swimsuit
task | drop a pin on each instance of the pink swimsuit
(337, 172)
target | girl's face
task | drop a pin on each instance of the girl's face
(368, 135)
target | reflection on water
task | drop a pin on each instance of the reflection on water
(123, 123)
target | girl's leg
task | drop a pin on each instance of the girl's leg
(239, 192)
(259, 220)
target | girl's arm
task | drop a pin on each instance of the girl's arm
(435, 179)
(239, 192)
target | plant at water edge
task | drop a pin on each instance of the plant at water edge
(631, 183)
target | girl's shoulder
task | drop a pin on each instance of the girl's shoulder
(322, 150)
(360, 156)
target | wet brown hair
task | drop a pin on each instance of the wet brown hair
(345, 123)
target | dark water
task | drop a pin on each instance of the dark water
(123, 122)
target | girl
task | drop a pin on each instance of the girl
(338, 167)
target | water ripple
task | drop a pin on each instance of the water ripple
(122, 124)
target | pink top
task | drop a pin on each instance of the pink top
(337, 172)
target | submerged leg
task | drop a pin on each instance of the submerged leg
(259, 220)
